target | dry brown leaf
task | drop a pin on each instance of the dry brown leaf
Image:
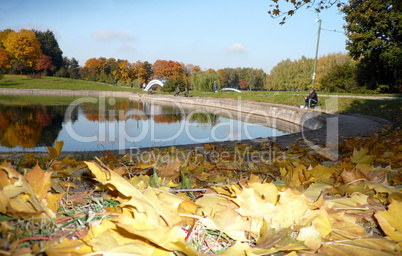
(353, 176)
(170, 170)
(345, 226)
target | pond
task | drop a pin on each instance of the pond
(31, 123)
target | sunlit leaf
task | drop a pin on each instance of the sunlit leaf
(67, 247)
(55, 151)
(169, 238)
(135, 198)
(39, 181)
(310, 237)
(390, 220)
(361, 157)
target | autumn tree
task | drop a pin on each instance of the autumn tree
(3, 35)
(167, 69)
(374, 31)
(44, 62)
(142, 72)
(5, 63)
(93, 68)
(124, 72)
(255, 77)
(23, 47)
(233, 77)
(50, 47)
(190, 69)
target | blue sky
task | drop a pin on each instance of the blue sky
(210, 33)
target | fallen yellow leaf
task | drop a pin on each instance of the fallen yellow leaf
(390, 220)
(361, 157)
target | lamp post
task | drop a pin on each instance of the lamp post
(316, 52)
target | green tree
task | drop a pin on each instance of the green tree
(340, 78)
(336, 72)
(256, 78)
(74, 69)
(374, 30)
(279, 76)
(50, 47)
(232, 77)
(70, 69)
(174, 82)
(203, 81)
(291, 75)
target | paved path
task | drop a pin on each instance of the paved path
(360, 97)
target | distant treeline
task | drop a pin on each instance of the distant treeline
(37, 53)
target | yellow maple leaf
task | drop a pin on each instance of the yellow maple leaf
(55, 151)
(39, 181)
(361, 157)
(131, 196)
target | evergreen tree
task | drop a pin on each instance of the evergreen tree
(50, 47)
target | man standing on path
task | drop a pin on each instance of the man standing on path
(214, 87)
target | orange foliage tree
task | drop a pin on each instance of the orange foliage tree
(168, 69)
(123, 72)
(23, 46)
(93, 68)
(44, 62)
(4, 60)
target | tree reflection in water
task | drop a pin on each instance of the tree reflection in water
(34, 125)
(109, 123)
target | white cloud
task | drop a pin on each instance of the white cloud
(109, 35)
(237, 48)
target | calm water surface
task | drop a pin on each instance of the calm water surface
(86, 124)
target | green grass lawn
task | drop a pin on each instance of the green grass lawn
(388, 109)
(48, 82)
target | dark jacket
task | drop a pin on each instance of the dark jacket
(313, 96)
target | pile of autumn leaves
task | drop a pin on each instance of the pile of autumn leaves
(301, 204)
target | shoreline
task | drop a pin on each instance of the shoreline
(315, 125)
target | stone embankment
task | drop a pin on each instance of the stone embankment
(305, 125)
